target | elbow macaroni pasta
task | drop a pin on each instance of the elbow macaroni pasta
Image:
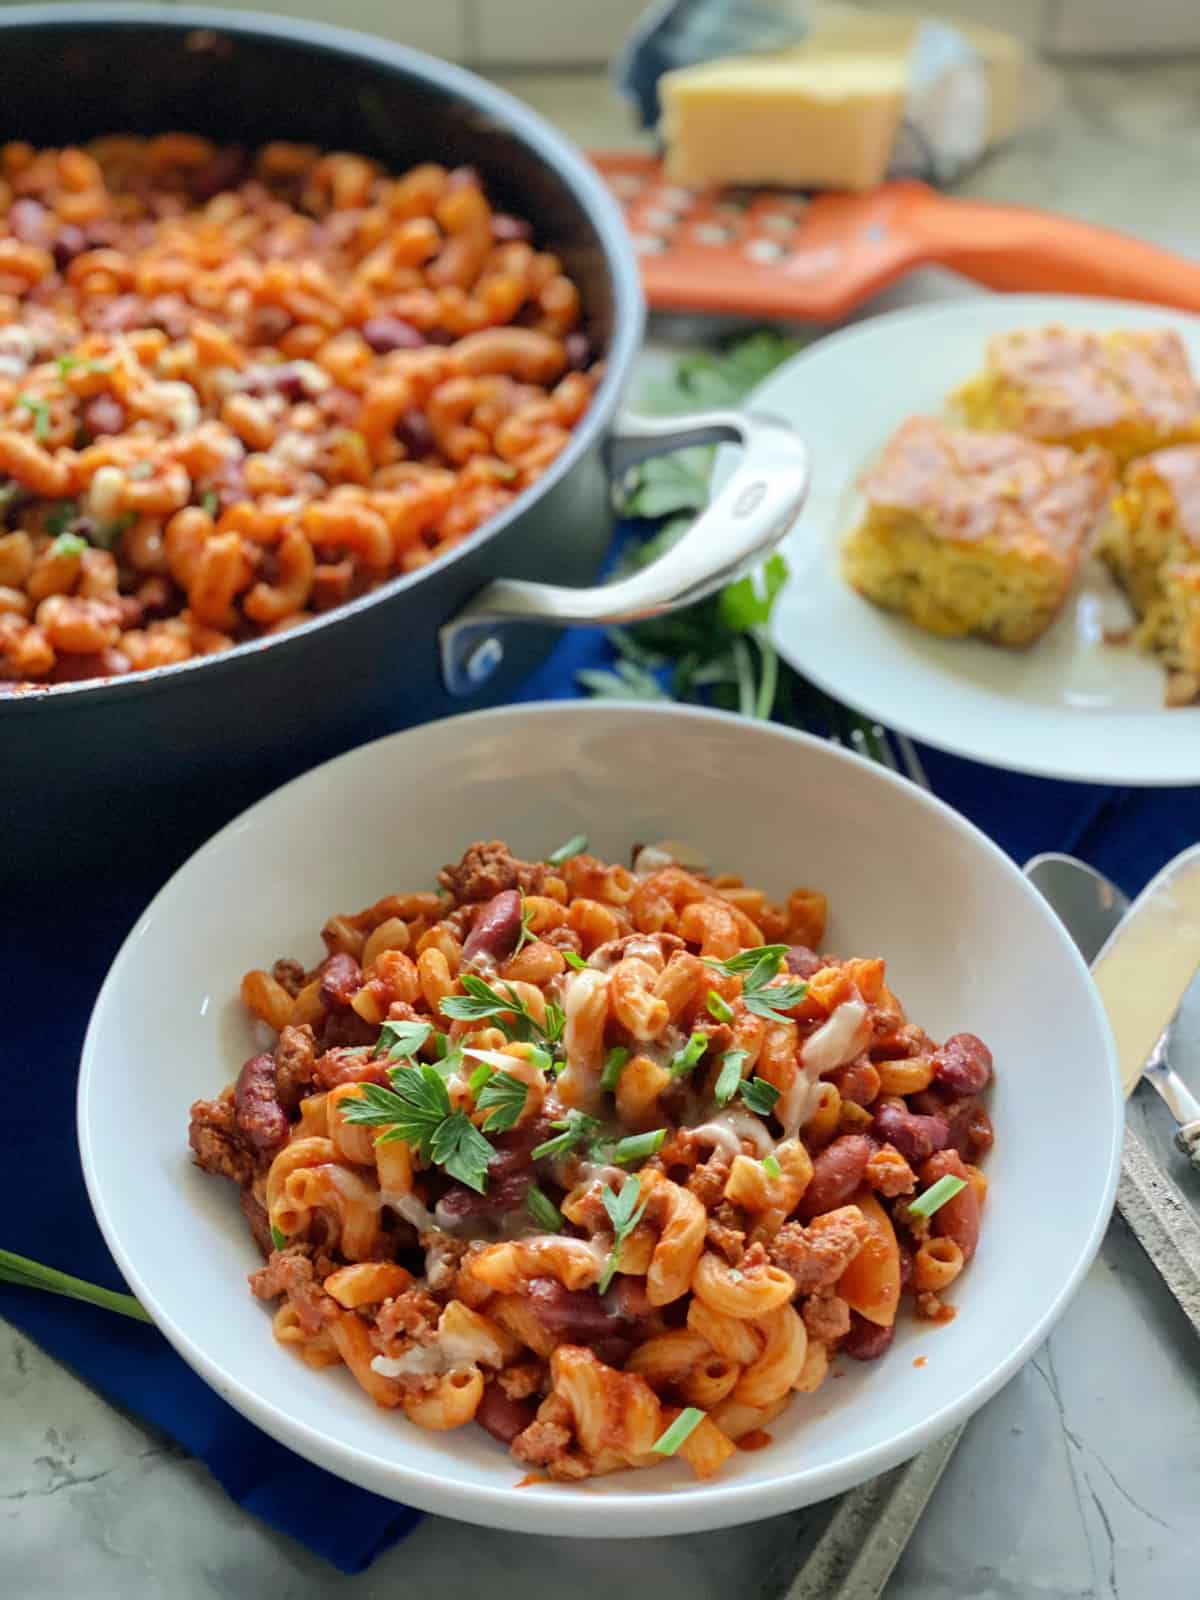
(239, 390)
(633, 1245)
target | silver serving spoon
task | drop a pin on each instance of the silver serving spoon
(1090, 906)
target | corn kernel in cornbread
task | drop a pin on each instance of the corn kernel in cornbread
(1131, 392)
(1151, 543)
(975, 533)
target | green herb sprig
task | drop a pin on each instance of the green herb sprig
(417, 1110)
(624, 1213)
(574, 1130)
(481, 1001)
(757, 969)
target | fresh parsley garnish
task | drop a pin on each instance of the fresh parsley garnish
(482, 1001)
(574, 846)
(683, 1061)
(614, 1066)
(278, 1239)
(400, 1041)
(757, 968)
(760, 1095)
(685, 1423)
(417, 1110)
(543, 1210)
(771, 1167)
(729, 1077)
(624, 1213)
(503, 1097)
(572, 960)
(68, 544)
(638, 1147)
(40, 411)
(936, 1195)
(575, 1128)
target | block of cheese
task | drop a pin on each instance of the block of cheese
(823, 114)
(788, 119)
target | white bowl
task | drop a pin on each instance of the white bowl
(970, 946)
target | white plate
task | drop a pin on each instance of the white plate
(1072, 706)
(984, 953)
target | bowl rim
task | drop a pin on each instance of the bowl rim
(618, 1514)
(460, 85)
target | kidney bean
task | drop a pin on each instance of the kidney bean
(225, 171)
(464, 177)
(256, 1109)
(802, 962)
(956, 1219)
(414, 433)
(347, 1028)
(71, 242)
(171, 313)
(29, 221)
(504, 1418)
(496, 928)
(260, 1223)
(510, 230)
(385, 334)
(614, 1352)
(963, 1064)
(459, 1202)
(228, 483)
(916, 1137)
(579, 1315)
(341, 979)
(579, 351)
(102, 414)
(866, 1341)
(107, 663)
(837, 1173)
(514, 1149)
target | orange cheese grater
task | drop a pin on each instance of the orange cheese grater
(775, 253)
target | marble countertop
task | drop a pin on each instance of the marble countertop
(1077, 1482)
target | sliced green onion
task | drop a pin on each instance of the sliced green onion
(936, 1196)
(729, 1077)
(278, 1238)
(573, 847)
(719, 1008)
(210, 501)
(68, 544)
(543, 1210)
(684, 1060)
(27, 1274)
(639, 1147)
(771, 1167)
(575, 961)
(614, 1066)
(479, 1078)
(684, 1425)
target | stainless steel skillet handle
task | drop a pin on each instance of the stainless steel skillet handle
(749, 516)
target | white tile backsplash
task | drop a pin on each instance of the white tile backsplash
(439, 26)
(1117, 28)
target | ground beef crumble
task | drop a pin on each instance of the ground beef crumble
(487, 869)
(817, 1255)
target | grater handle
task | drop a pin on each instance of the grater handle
(746, 520)
(1016, 248)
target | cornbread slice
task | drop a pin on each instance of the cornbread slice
(1151, 543)
(1131, 392)
(975, 533)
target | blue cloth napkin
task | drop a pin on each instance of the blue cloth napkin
(55, 960)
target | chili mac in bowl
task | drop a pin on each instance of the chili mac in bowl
(633, 1151)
